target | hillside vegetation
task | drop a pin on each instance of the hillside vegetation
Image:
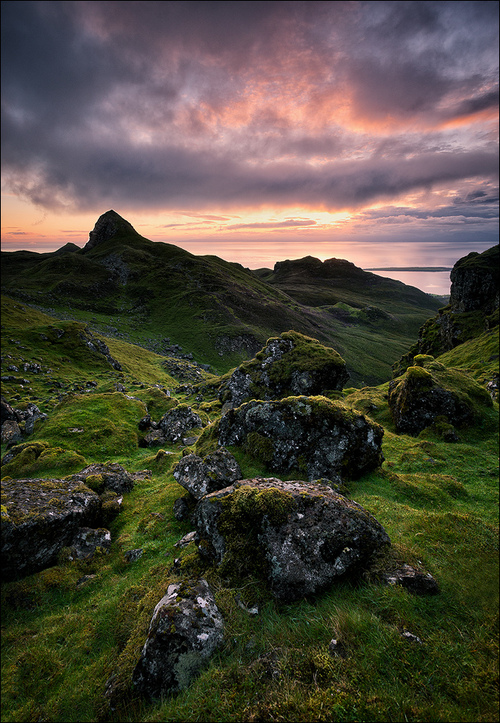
(75, 630)
(156, 295)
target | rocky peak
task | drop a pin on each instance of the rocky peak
(475, 282)
(107, 226)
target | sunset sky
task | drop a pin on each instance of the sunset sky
(256, 131)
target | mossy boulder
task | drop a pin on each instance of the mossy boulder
(290, 364)
(299, 537)
(185, 630)
(431, 394)
(39, 458)
(41, 517)
(111, 476)
(200, 476)
(313, 435)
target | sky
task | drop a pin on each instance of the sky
(255, 131)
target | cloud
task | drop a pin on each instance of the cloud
(193, 105)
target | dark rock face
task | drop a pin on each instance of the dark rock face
(107, 226)
(291, 364)
(102, 477)
(416, 402)
(185, 630)
(39, 518)
(303, 535)
(313, 434)
(202, 476)
(475, 282)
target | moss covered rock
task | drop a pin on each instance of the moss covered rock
(41, 517)
(314, 435)
(185, 630)
(200, 476)
(300, 537)
(431, 394)
(290, 364)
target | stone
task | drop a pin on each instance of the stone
(291, 364)
(176, 422)
(202, 476)
(89, 541)
(102, 477)
(312, 434)
(39, 518)
(11, 433)
(185, 630)
(415, 581)
(133, 555)
(300, 536)
(416, 401)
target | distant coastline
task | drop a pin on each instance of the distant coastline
(410, 268)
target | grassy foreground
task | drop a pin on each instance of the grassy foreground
(67, 629)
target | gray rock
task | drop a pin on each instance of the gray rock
(291, 364)
(312, 434)
(202, 476)
(185, 630)
(176, 422)
(11, 433)
(39, 518)
(416, 401)
(304, 535)
(415, 581)
(88, 541)
(109, 477)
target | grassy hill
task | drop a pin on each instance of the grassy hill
(67, 629)
(156, 295)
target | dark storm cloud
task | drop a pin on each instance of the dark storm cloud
(132, 103)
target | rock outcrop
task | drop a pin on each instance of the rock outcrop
(185, 630)
(18, 423)
(434, 396)
(299, 536)
(111, 476)
(39, 518)
(312, 434)
(475, 282)
(172, 427)
(201, 476)
(106, 227)
(291, 364)
(472, 310)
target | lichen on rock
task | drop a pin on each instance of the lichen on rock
(185, 630)
(314, 435)
(291, 364)
(300, 537)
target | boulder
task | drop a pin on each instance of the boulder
(291, 364)
(300, 536)
(312, 434)
(202, 476)
(176, 422)
(416, 401)
(88, 541)
(100, 477)
(11, 433)
(185, 630)
(39, 518)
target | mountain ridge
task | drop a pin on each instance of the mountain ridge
(156, 294)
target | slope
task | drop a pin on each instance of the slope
(156, 295)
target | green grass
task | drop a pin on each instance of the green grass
(63, 638)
